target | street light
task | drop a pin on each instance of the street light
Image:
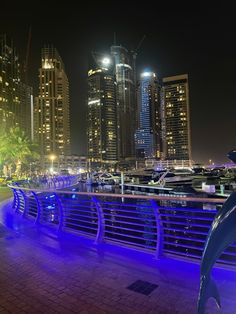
(52, 157)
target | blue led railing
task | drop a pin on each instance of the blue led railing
(21, 198)
(49, 182)
(157, 224)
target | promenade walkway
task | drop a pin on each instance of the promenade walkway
(45, 272)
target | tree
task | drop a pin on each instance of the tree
(16, 149)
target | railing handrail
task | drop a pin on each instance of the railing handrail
(131, 196)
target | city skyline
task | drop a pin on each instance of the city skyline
(200, 47)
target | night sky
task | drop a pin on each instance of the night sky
(178, 40)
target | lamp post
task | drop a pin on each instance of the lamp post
(52, 157)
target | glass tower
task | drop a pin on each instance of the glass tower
(147, 136)
(102, 122)
(126, 106)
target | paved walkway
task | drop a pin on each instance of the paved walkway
(41, 272)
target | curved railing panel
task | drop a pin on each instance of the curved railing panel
(80, 214)
(129, 222)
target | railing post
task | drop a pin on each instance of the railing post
(26, 203)
(159, 247)
(37, 219)
(101, 222)
(25, 200)
(61, 213)
(16, 201)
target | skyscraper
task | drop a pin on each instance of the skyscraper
(126, 105)
(52, 123)
(15, 95)
(102, 122)
(9, 81)
(177, 141)
(147, 136)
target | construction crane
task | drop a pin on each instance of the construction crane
(135, 53)
(139, 45)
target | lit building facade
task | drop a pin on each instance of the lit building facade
(148, 134)
(73, 164)
(176, 133)
(9, 84)
(15, 95)
(102, 114)
(67, 164)
(51, 110)
(126, 104)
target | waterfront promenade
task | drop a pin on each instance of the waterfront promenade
(47, 272)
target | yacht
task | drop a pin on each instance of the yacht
(232, 155)
(170, 178)
(108, 178)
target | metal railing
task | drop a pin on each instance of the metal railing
(157, 224)
(48, 182)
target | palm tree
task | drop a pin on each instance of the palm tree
(5, 154)
(16, 149)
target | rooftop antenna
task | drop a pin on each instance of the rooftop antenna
(135, 53)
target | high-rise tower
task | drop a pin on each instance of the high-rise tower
(148, 134)
(52, 123)
(177, 137)
(9, 84)
(102, 122)
(126, 106)
(15, 95)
